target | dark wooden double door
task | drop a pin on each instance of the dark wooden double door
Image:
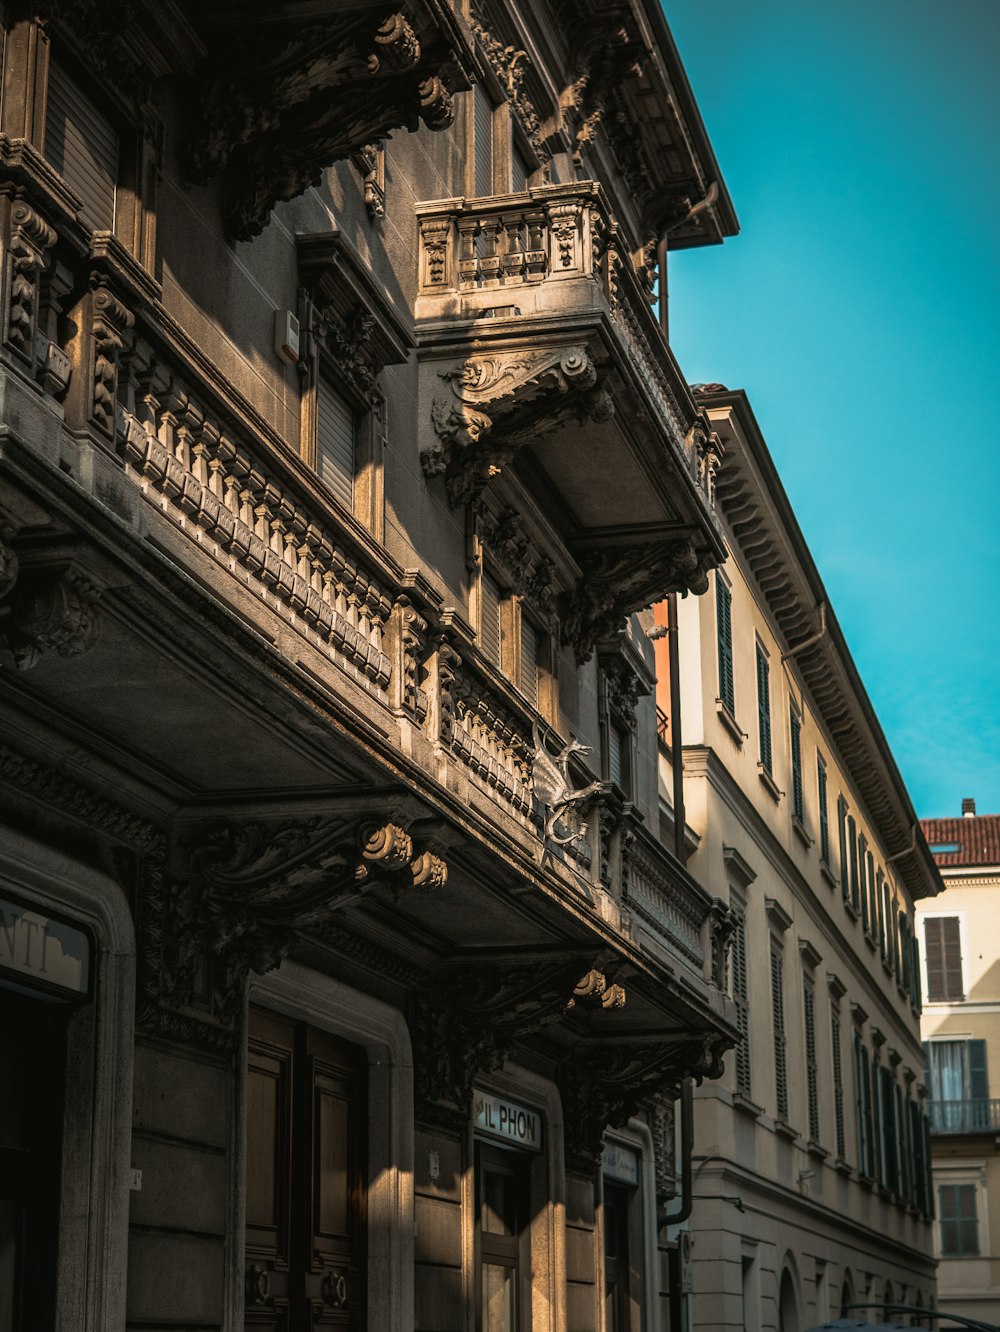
(306, 1242)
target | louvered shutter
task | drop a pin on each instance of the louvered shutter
(824, 818)
(887, 922)
(81, 144)
(845, 887)
(489, 619)
(838, 1083)
(852, 844)
(615, 760)
(863, 880)
(778, 1023)
(529, 661)
(812, 1080)
(724, 628)
(861, 1104)
(872, 895)
(335, 443)
(518, 172)
(764, 708)
(741, 1001)
(979, 1087)
(876, 1123)
(795, 727)
(482, 131)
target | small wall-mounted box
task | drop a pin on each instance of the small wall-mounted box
(286, 336)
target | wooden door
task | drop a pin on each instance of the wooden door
(305, 1181)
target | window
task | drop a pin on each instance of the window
(943, 954)
(617, 1297)
(618, 765)
(519, 171)
(959, 1220)
(503, 1250)
(741, 998)
(724, 627)
(528, 676)
(82, 145)
(875, 1096)
(824, 818)
(852, 843)
(956, 1072)
(795, 732)
(845, 885)
(872, 895)
(778, 1027)
(863, 1104)
(764, 709)
(482, 134)
(838, 1081)
(306, 1103)
(863, 881)
(490, 638)
(890, 1155)
(336, 432)
(812, 1079)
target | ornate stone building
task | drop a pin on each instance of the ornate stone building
(346, 981)
(811, 1184)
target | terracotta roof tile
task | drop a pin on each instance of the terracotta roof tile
(978, 839)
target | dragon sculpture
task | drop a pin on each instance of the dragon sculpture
(554, 787)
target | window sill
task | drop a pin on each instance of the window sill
(815, 1149)
(843, 1167)
(851, 909)
(828, 874)
(865, 1181)
(770, 785)
(887, 967)
(799, 829)
(872, 943)
(783, 1127)
(730, 723)
(745, 1106)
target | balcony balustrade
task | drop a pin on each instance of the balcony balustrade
(954, 1118)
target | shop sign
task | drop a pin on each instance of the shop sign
(500, 1118)
(619, 1164)
(35, 947)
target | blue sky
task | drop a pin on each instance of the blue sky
(859, 309)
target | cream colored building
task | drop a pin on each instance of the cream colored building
(959, 934)
(811, 1183)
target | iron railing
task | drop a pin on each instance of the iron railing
(956, 1117)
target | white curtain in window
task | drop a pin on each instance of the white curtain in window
(949, 1071)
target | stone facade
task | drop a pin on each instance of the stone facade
(339, 444)
(811, 1160)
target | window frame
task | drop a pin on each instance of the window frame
(967, 1177)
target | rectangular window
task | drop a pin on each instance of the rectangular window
(724, 628)
(741, 1001)
(959, 1220)
(81, 144)
(795, 731)
(824, 818)
(336, 433)
(778, 1027)
(489, 618)
(838, 1082)
(943, 954)
(845, 884)
(812, 1075)
(764, 709)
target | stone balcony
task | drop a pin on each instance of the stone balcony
(540, 352)
(962, 1118)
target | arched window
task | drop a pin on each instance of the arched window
(846, 1295)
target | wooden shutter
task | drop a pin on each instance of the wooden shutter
(979, 1086)
(489, 618)
(335, 433)
(959, 1220)
(741, 1002)
(943, 946)
(518, 171)
(861, 1105)
(778, 1026)
(889, 1145)
(81, 144)
(876, 1121)
(795, 730)
(838, 1083)
(764, 708)
(724, 628)
(812, 1078)
(863, 880)
(482, 131)
(886, 923)
(852, 845)
(872, 895)
(616, 764)
(529, 661)
(845, 886)
(824, 818)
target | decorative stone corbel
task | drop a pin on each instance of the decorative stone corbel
(30, 239)
(721, 927)
(486, 396)
(50, 609)
(616, 580)
(110, 329)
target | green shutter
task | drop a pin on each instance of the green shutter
(845, 887)
(724, 630)
(979, 1086)
(82, 145)
(778, 1028)
(852, 841)
(764, 710)
(824, 819)
(863, 880)
(795, 731)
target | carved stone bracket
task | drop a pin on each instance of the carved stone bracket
(721, 927)
(51, 608)
(275, 103)
(242, 890)
(605, 1086)
(617, 580)
(509, 64)
(512, 397)
(467, 1022)
(661, 1115)
(508, 541)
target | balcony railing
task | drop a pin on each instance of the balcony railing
(958, 1117)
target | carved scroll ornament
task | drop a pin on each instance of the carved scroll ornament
(488, 395)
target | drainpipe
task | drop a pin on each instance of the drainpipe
(665, 1217)
(787, 656)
